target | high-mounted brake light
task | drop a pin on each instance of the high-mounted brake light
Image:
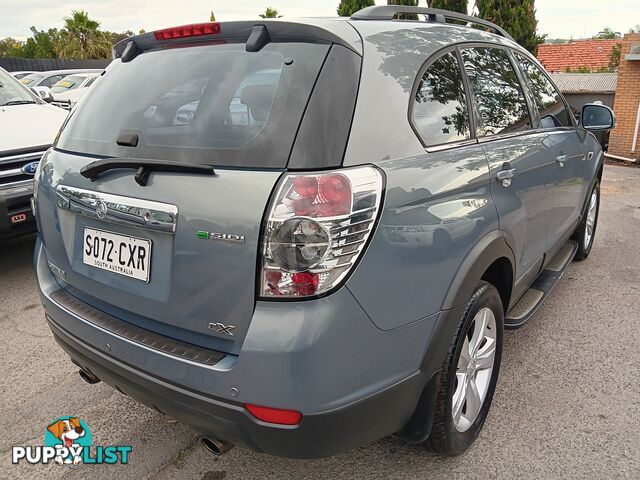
(184, 31)
(317, 227)
(274, 415)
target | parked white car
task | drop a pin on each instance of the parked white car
(28, 127)
(71, 88)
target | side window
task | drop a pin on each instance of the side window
(49, 82)
(502, 107)
(440, 112)
(90, 82)
(553, 111)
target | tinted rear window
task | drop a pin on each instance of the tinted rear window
(213, 104)
(501, 103)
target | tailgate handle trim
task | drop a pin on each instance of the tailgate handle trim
(117, 209)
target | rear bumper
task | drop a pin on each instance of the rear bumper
(318, 435)
(353, 385)
(16, 217)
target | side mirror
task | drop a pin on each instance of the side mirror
(596, 117)
(44, 93)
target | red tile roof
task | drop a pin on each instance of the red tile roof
(593, 54)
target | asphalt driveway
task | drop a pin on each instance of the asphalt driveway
(567, 403)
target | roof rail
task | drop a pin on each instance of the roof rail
(435, 15)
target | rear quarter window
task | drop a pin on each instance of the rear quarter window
(439, 113)
(213, 104)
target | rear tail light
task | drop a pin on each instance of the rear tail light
(274, 415)
(316, 228)
(184, 31)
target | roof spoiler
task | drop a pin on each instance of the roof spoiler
(254, 34)
(434, 15)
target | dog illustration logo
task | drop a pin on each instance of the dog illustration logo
(73, 434)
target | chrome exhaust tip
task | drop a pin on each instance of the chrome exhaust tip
(215, 446)
(88, 377)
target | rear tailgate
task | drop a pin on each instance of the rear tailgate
(178, 255)
(201, 278)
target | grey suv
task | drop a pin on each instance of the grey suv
(303, 236)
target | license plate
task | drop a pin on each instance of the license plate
(121, 254)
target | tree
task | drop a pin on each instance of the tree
(81, 38)
(212, 17)
(346, 8)
(607, 33)
(518, 17)
(10, 47)
(270, 12)
(459, 6)
(410, 3)
(41, 44)
(118, 37)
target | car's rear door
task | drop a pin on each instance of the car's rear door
(521, 170)
(564, 145)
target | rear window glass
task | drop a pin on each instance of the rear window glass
(440, 110)
(502, 106)
(213, 104)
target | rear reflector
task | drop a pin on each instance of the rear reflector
(184, 31)
(274, 415)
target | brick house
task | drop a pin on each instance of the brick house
(624, 140)
(580, 55)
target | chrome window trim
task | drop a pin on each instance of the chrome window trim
(120, 210)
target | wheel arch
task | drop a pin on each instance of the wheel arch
(492, 260)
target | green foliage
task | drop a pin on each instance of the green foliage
(405, 16)
(614, 58)
(518, 17)
(459, 6)
(41, 44)
(607, 33)
(270, 13)
(212, 17)
(81, 38)
(346, 8)
(10, 47)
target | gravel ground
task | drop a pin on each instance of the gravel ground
(567, 403)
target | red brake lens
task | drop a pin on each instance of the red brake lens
(184, 31)
(274, 415)
(305, 283)
(323, 196)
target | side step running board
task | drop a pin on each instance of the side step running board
(535, 296)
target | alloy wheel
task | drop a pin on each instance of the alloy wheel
(474, 369)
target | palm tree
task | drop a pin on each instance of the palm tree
(270, 13)
(81, 38)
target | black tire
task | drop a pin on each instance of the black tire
(445, 438)
(581, 231)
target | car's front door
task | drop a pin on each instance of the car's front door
(565, 146)
(522, 172)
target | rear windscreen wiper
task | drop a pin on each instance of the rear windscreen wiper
(144, 167)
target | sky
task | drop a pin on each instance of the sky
(556, 18)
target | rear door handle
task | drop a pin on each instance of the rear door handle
(561, 159)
